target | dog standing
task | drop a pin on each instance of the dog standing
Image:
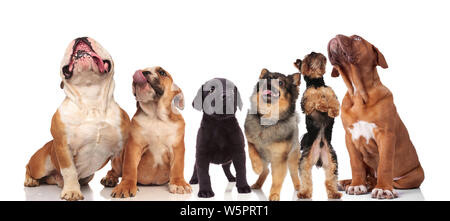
(88, 129)
(321, 106)
(154, 153)
(219, 139)
(271, 128)
(382, 156)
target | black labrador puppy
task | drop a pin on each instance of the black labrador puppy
(219, 139)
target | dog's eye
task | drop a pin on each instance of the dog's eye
(281, 83)
(212, 89)
(357, 38)
(162, 72)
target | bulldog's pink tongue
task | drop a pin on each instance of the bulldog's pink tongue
(139, 78)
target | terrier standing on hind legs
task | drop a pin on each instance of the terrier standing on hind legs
(321, 106)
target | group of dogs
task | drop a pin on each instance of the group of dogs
(89, 129)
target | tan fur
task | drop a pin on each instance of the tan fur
(87, 120)
(321, 99)
(154, 153)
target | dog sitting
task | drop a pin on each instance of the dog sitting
(88, 129)
(382, 155)
(321, 106)
(271, 128)
(154, 153)
(219, 139)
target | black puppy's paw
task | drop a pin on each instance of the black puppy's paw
(244, 189)
(205, 193)
(193, 181)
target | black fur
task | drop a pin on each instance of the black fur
(220, 141)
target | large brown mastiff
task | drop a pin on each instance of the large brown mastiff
(382, 156)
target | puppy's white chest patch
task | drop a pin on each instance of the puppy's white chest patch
(362, 129)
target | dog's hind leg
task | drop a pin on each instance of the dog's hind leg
(112, 177)
(39, 166)
(293, 159)
(306, 164)
(226, 170)
(330, 166)
(412, 179)
(194, 178)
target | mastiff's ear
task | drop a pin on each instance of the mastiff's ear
(334, 72)
(178, 98)
(381, 61)
(239, 99)
(197, 103)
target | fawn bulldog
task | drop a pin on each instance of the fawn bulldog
(154, 153)
(88, 129)
(382, 156)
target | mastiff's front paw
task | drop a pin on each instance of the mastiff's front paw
(384, 194)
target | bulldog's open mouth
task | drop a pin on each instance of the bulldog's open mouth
(84, 53)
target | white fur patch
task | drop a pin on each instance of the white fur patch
(362, 129)
(384, 194)
(356, 190)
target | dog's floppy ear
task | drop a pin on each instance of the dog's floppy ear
(298, 64)
(197, 103)
(61, 85)
(334, 72)
(380, 58)
(239, 99)
(178, 99)
(263, 72)
(295, 78)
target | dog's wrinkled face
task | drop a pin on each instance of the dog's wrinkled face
(218, 97)
(313, 65)
(275, 93)
(345, 52)
(85, 62)
(154, 83)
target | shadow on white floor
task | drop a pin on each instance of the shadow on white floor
(160, 193)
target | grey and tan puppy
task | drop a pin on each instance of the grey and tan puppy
(271, 128)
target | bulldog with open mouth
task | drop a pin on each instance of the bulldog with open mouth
(88, 129)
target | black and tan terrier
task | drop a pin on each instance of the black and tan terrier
(321, 106)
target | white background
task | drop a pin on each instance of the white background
(198, 40)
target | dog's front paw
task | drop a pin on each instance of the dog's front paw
(384, 193)
(334, 195)
(30, 182)
(304, 195)
(256, 186)
(179, 186)
(109, 181)
(205, 193)
(71, 194)
(125, 189)
(356, 190)
(274, 197)
(244, 189)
